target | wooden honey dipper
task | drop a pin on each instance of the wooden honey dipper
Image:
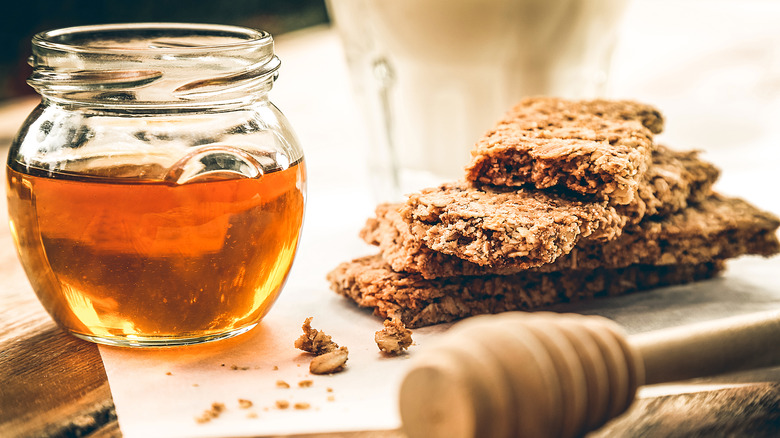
(544, 374)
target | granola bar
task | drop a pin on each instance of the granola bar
(717, 227)
(419, 302)
(491, 226)
(674, 179)
(591, 147)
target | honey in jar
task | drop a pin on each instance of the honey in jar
(162, 216)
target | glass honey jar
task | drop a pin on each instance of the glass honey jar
(156, 195)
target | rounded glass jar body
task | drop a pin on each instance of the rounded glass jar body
(155, 195)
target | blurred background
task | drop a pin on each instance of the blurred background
(26, 18)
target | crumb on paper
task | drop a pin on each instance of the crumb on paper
(301, 405)
(195, 385)
(169, 373)
(282, 384)
(244, 403)
(238, 368)
(331, 398)
(329, 389)
(329, 357)
(305, 383)
(314, 341)
(394, 338)
(209, 414)
(276, 367)
(251, 415)
(282, 404)
(328, 363)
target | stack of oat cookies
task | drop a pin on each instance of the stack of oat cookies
(563, 200)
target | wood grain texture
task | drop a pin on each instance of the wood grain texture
(752, 410)
(52, 385)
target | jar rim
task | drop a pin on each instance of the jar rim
(242, 37)
(136, 64)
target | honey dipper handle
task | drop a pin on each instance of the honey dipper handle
(714, 347)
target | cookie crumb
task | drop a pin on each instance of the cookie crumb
(209, 414)
(305, 383)
(301, 405)
(276, 368)
(314, 341)
(282, 384)
(169, 373)
(329, 389)
(282, 404)
(238, 368)
(331, 398)
(195, 385)
(244, 403)
(394, 338)
(328, 363)
(251, 415)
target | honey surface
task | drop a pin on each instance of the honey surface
(129, 258)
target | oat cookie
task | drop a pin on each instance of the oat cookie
(718, 227)
(419, 302)
(674, 180)
(591, 147)
(490, 226)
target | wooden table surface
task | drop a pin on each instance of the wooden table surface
(52, 384)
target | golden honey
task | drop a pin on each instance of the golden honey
(146, 262)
